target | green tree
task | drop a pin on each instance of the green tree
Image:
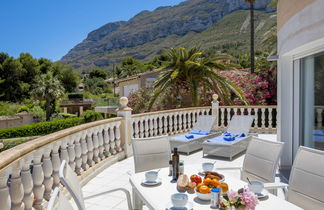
(129, 67)
(30, 65)
(97, 73)
(69, 78)
(189, 70)
(48, 88)
(95, 85)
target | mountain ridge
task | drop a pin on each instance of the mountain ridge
(192, 16)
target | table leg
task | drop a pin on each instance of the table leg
(137, 201)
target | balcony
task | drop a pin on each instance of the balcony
(99, 152)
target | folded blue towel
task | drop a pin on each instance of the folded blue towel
(242, 135)
(198, 132)
(229, 138)
(189, 136)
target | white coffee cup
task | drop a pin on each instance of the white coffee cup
(179, 200)
(256, 186)
(151, 176)
(207, 166)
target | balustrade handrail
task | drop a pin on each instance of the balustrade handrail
(17, 152)
(169, 111)
(249, 106)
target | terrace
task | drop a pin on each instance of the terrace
(100, 152)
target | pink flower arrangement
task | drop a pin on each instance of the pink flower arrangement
(243, 199)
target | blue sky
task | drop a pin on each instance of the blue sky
(50, 28)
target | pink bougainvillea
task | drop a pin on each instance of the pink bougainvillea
(257, 90)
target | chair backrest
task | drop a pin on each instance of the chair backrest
(261, 160)
(240, 124)
(151, 153)
(70, 180)
(306, 182)
(205, 123)
(58, 201)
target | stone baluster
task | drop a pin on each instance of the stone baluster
(319, 117)
(56, 163)
(16, 190)
(175, 123)
(170, 124)
(270, 117)
(136, 128)
(27, 181)
(165, 124)
(64, 153)
(248, 111)
(95, 145)
(112, 140)
(118, 142)
(222, 117)
(4, 191)
(48, 170)
(181, 127)
(38, 178)
(256, 117)
(151, 125)
(160, 130)
(90, 148)
(84, 151)
(185, 128)
(189, 123)
(101, 143)
(106, 142)
(78, 154)
(194, 118)
(155, 125)
(146, 126)
(141, 121)
(263, 120)
(71, 152)
(229, 117)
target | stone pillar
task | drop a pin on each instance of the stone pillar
(126, 128)
(81, 110)
(64, 109)
(215, 109)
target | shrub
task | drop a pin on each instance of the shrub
(60, 116)
(8, 109)
(90, 116)
(39, 129)
(12, 143)
(23, 109)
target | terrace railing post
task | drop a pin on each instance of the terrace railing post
(215, 109)
(126, 129)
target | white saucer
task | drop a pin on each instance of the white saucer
(264, 193)
(189, 206)
(152, 183)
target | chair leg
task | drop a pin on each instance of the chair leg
(137, 201)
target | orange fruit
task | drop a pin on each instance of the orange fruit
(204, 189)
(224, 187)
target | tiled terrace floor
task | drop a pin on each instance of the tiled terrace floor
(117, 175)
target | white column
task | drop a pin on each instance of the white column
(16, 190)
(118, 141)
(78, 154)
(90, 148)
(27, 181)
(101, 143)
(38, 178)
(95, 145)
(84, 151)
(48, 170)
(106, 142)
(4, 191)
(56, 163)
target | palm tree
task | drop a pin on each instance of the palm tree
(189, 70)
(251, 2)
(48, 88)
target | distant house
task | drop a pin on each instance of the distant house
(136, 82)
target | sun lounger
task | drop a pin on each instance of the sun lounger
(192, 141)
(232, 142)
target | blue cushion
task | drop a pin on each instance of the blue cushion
(229, 138)
(189, 136)
(198, 132)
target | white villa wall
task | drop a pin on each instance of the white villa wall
(300, 36)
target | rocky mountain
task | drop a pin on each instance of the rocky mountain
(113, 41)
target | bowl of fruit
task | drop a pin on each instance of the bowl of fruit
(203, 189)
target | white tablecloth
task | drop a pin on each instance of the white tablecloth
(158, 197)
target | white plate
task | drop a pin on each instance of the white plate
(152, 183)
(189, 206)
(264, 193)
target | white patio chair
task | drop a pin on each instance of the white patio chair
(261, 161)
(58, 201)
(151, 153)
(70, 180)
(217, 146)
(306, 182)
(203, 129)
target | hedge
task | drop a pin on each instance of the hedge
(39, 129)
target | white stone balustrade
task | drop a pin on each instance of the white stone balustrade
(29, 172)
